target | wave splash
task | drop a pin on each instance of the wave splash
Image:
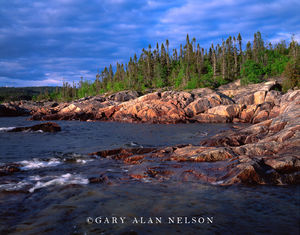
(33, 183)
(4, 129)
(64, 179)
(36, 163)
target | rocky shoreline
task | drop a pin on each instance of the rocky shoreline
(266, 152)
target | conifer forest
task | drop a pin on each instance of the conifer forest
(191, 66)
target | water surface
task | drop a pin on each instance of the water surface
(52, 193)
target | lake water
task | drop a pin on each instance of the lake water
(52, 193)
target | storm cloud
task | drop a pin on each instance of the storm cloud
(48, 42)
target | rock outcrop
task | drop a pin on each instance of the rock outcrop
(157, 107)
(230, 103)
(12, 110)
(263, 153)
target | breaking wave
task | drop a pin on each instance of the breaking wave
(4, 129)
(36, 163)
(33, 183)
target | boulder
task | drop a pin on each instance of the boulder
(202, 104)
(229, 111)
(259, 97)
(248, 112)
(71, 108)
(123, 96)
(273, 97)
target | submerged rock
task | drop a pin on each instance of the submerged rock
(44, 127)
(9, 169)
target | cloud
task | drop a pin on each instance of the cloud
(10, 82)
(208, 20)
(44, 40)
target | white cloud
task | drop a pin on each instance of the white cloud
(22, 83)
(284, 36)
(211, 20)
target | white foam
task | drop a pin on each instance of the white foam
(35, 164)
(6, 128)
(82, 161)
(202, 134)
(34, 178)
(218, 182)
(60, 180)
(14, 186)
(146, 180)
(35, 182)
(31, 131)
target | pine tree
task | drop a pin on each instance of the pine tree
(239, 38)
(214, 61)
(181, 53)
(167, 56)
(235, 59)
(110, 73)
(248, 51)
(223, 61)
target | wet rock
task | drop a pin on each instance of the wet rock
(44, 127)
(284, 164)
(159, 172)
(201, 154)
(9, 169)
(122, 153)
(102, 179)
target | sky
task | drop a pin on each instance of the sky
(43, 43)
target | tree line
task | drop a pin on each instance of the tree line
(192, 66)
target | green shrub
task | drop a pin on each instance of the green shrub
(279, 65)
(118, 86)
(193, 83)
(178, 80)
(251, 72)
(291, 74)
(158, 82)
(219, 81)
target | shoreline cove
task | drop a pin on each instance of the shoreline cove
(151, 220)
